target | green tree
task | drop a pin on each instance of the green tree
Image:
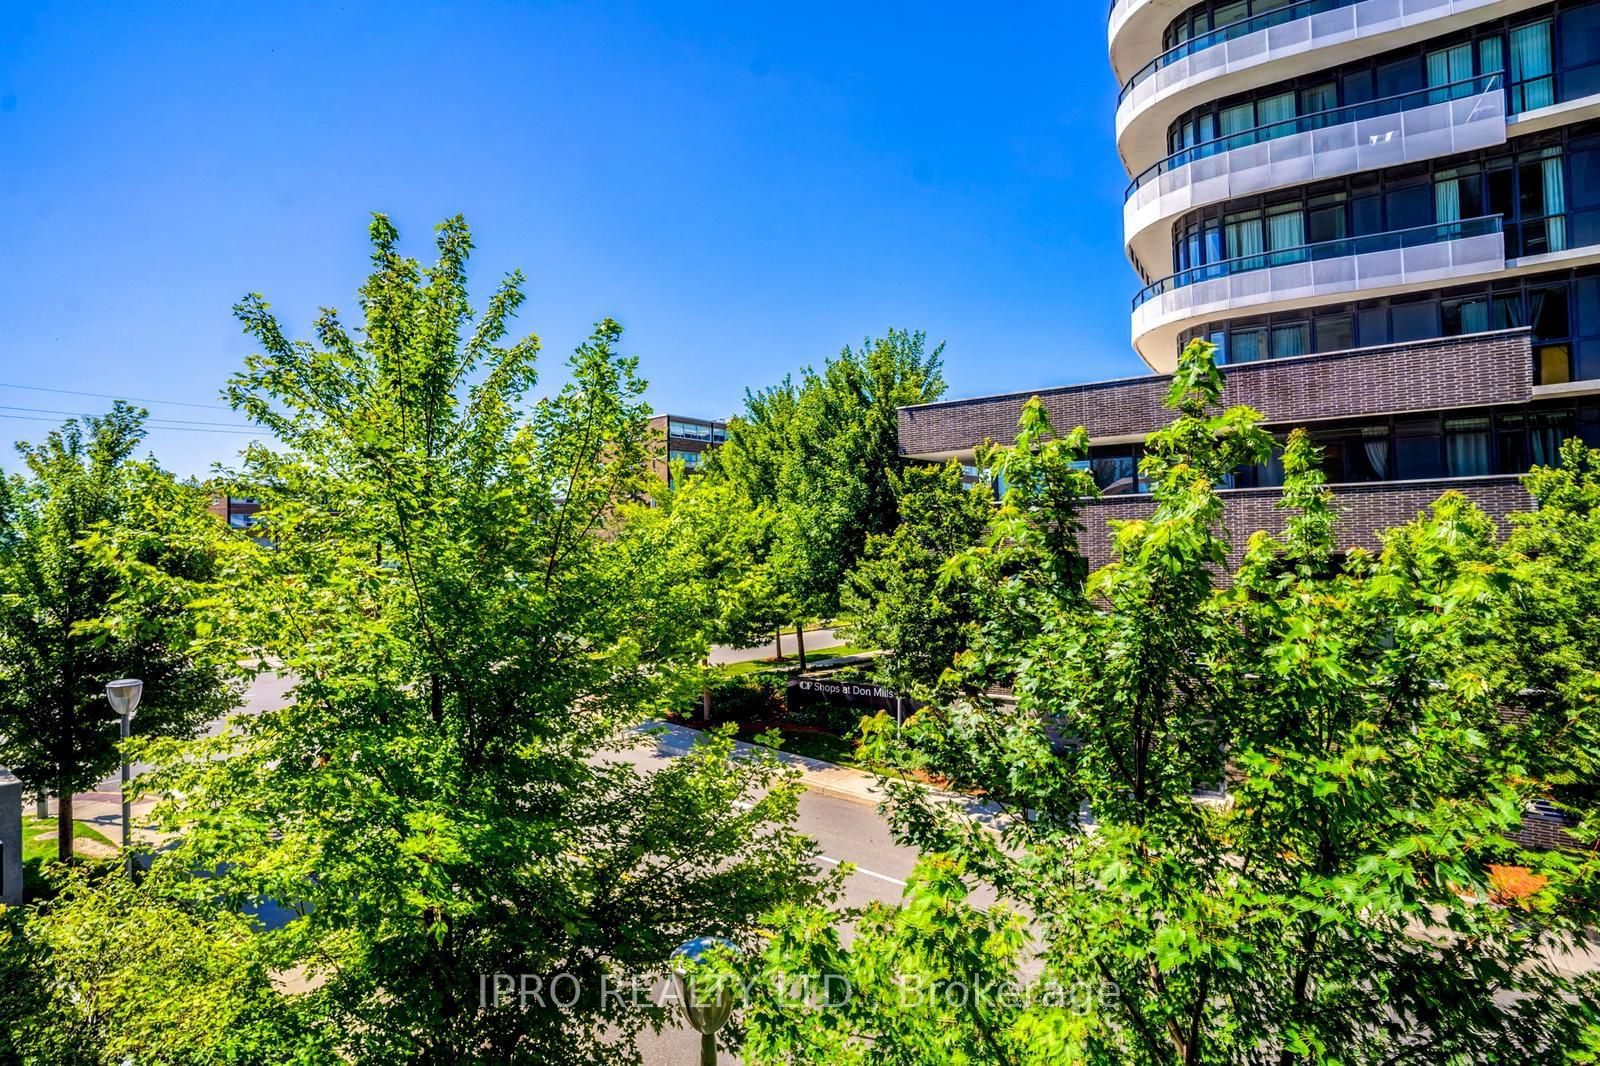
(1552, 554)
(108, 973)
(823, 454)
(1339, 903)
(900, 598)
(719, 547)
(474, 637)
(99, 557)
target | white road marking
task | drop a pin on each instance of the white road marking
(863, 870)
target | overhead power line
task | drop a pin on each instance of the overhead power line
(109, 396)
(83, 414)
(171, 429)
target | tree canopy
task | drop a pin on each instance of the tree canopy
(1271, 820)
(101, 555)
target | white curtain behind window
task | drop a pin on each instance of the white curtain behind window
(1447, 200)
(1555, 202)
(1375, 441)
(1467, 446)
(1531, 64)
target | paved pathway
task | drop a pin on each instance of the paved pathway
(816, 640)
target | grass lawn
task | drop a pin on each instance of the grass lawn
(39, 848)
(824, 746)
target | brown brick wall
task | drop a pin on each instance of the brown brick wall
(1456, 372)
(1364, 511)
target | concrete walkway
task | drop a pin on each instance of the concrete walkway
(817, 641)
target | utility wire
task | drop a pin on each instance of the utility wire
(82, 414)
(108, 396)
(172, 429)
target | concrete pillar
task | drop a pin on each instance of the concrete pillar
(10, 838)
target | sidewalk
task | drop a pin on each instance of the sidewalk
(843, 782)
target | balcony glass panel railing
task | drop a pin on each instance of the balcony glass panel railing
(1393, 240)
(1222, 34)
(1337, 116)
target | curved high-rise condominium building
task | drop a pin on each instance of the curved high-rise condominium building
(1327, 175)
(1386, 216)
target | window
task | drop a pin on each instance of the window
(1291, 340)
(1416, 449)
(1400, 76)
(1325, 219)
(1531, 65)
(1589, 426)
(1372, 326)
(1116, 474)
(1447, 66)
(1415, 321)
(1466, 447)
(1286, 227)
(1247, 345)
(241, 521)
(1467, 314)
(1512, 439)
(1542, 182)
(1580, 52)
(1243, 231)
(688, 458)
(1547, 430)
(1336, 333)
(1409, 205)
(1583, 189)
(1324, 97)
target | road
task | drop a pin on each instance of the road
(816, 640)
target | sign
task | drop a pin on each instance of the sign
(804, 691)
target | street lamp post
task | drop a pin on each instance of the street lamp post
(706, 1014)
(124, 698)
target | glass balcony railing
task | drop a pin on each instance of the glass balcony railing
(1242, 28)
(1337, 116)
(1393, 240)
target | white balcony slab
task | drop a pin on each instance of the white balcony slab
(1426, 132)
(1317, 281)
(1365, 20)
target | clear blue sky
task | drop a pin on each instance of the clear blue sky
(745, 187)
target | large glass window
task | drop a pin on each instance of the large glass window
(1532, 64)
(1417, 453)
(1466, 447)
(1415, 321)
(1336, 333)
(1579, 38)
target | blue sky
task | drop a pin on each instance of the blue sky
(745, 187)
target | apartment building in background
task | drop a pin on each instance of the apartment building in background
(1384, 213)
(685, 440)
(238, 511)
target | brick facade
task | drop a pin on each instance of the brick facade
(1364, 511)
(1482, 370)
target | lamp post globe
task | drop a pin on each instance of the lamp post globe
(124, 695)
(707, 1010)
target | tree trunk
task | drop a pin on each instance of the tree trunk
(777, 644)
(705, 706)
(43, 801)
(800, 639)
(64, 826)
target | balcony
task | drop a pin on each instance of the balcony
(1223, 34)
(1336, 30)
(1313, 273)
(1425, 124)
